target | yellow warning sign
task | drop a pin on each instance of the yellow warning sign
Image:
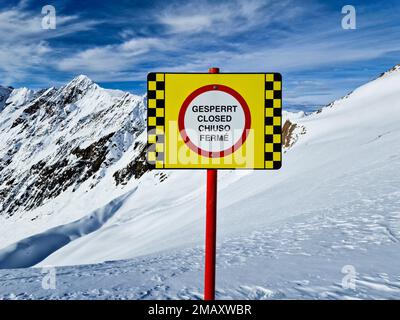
(214, 121)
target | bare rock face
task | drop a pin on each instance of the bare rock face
(290, 133)
(135, 168)
(55, 140)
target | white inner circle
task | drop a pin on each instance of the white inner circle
(214, 121)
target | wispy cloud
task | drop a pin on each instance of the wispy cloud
(25, 46)
(122, 42)
(187, 34)
(238, 35)
(222, 18)
(112, 58)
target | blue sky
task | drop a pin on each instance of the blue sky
(116, 43)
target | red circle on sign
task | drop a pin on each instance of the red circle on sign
(181, 121)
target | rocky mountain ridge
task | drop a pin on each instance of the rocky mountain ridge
(55, 139)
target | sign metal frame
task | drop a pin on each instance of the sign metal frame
(156, 122)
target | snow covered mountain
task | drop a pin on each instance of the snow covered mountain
(59, 139)
(292, 233)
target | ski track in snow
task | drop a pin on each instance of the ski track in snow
(288, 260)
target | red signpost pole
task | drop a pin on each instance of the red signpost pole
(211, 229)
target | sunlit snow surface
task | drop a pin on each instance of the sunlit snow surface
(287, 234)
(296, 258)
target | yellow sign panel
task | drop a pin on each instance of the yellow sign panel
(214, 121)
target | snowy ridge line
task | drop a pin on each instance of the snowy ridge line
(60, 140)
(30, 251)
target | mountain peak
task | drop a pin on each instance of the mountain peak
(76, 88)
(81, 79)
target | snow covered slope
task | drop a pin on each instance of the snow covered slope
(288, 233)
(348, 153)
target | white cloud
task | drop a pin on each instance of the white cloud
(224, 18)
(195, 23)
(236, 35)
(24, 45)
(113, 58)
(16, 58)
(185, 38)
